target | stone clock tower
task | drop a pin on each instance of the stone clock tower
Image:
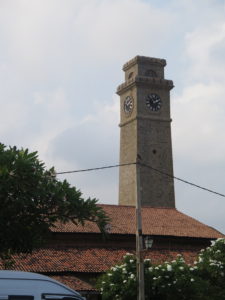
(146, 133)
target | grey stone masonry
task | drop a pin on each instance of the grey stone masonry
(145, 131)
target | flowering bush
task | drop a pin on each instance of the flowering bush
(170, 280)
(210, 267)
(120, 281)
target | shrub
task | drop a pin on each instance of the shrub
(173, 280)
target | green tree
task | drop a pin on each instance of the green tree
(173, 280)
(32, 200)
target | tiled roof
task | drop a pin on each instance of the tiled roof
(74, 282)
(156, 221)
(85, 260)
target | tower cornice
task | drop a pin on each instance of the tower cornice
(143, 59)
(142, 117)
(144, 80)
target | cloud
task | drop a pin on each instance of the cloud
(96, 30)
(198, 127)
(118, 28)
(93, 142)
(205, 49)
(203, 127)
(201, 100)
(60, 63)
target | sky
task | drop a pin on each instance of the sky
(60, 65)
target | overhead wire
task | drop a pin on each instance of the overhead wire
(147, 166)
(183, 180)
(95, 169)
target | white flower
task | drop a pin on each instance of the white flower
(124, 281)
(192, 279)
(154, 278)
(213, 243)
(132, 276)
(109, 274)
(191, 269)
(111, 284)
(131, 260)
(181, 259)
(181, 268)
(169, 268)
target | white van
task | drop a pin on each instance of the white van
(16, 285)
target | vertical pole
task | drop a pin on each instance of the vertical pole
(139, 239)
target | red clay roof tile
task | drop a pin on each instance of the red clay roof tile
(74, 282)
(156, 221)
(93, 260)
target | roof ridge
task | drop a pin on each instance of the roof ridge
(132, 206)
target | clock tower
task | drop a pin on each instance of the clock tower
(145, 132)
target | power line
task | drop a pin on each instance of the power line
(147, 166)
(95, 169)
(183, 180)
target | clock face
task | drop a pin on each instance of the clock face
(128, 105)
(153, 102)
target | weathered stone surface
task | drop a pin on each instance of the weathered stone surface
(146, 133)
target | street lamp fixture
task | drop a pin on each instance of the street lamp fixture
(148, 242)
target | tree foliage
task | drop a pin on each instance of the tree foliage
(174, 280)
(32, 200)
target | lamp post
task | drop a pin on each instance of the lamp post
(139, 238)
(148, 241)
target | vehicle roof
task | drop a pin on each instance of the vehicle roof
(23, 275)
(6, 274)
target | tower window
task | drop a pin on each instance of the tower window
(130, 75)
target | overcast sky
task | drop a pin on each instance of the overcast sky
(60, 65)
